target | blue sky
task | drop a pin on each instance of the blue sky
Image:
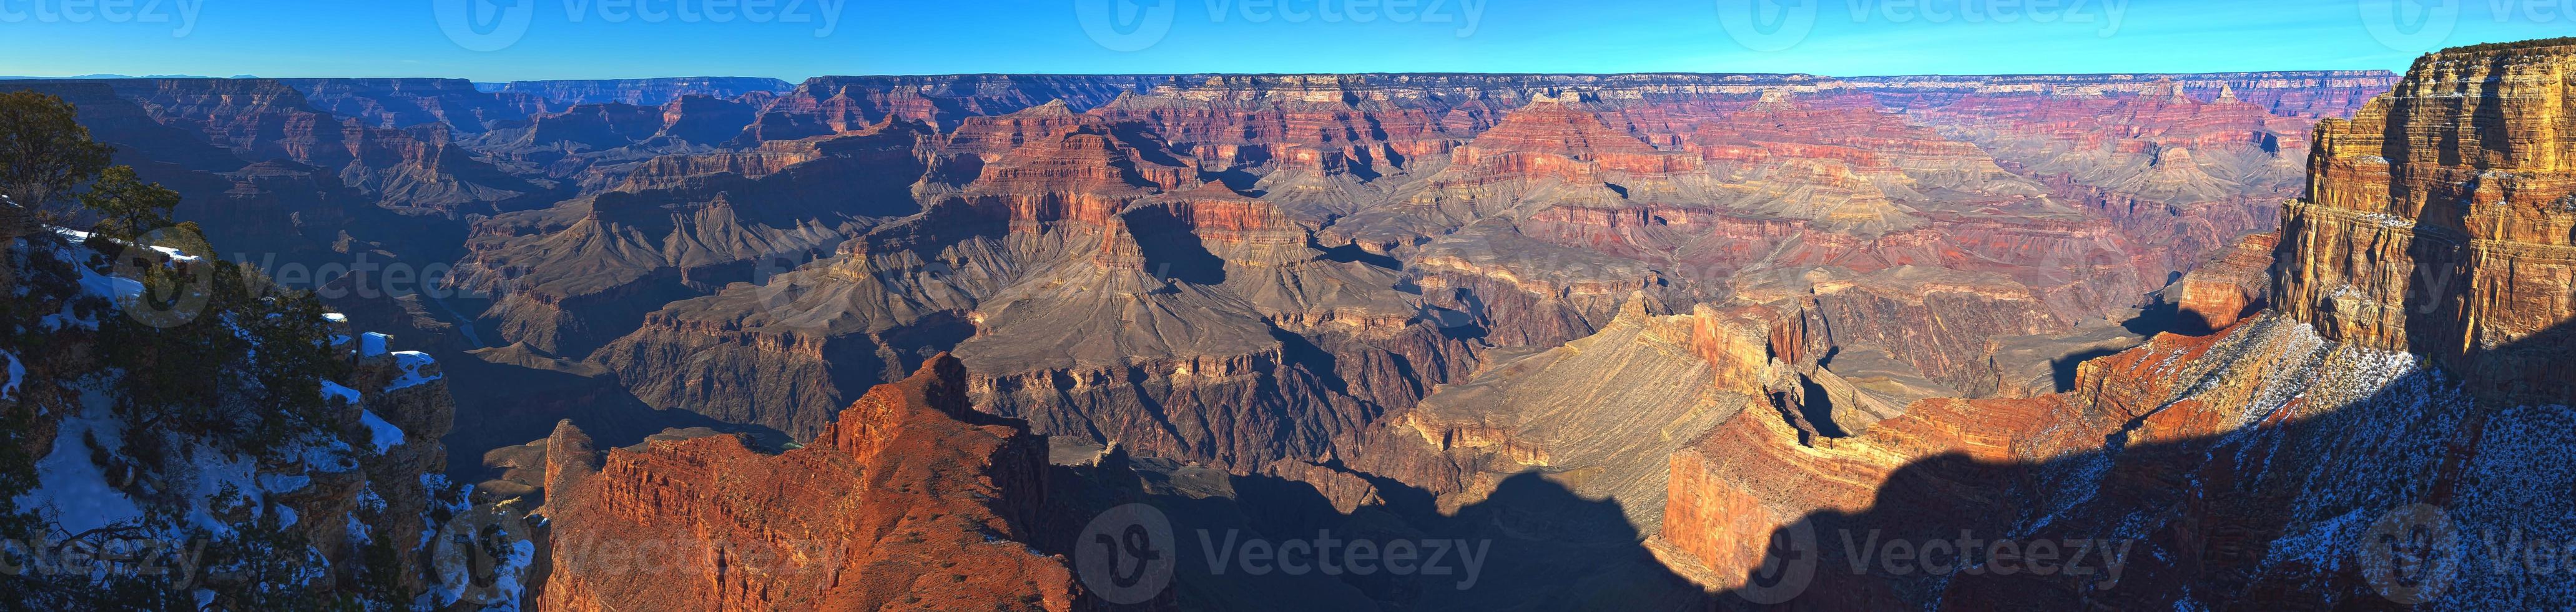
(492, 40)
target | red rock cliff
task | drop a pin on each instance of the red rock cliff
(2441, 219)
(912, 500)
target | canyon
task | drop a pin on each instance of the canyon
(1649, 336)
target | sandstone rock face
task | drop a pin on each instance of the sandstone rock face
(2228, 289)
(2438, 219)
(1596, 414)
(911, 499)
(2248, 464)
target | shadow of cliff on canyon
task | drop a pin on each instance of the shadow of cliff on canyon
(507, 398)
(1532, 544)
(2265, 513)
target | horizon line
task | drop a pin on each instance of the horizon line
(115, 77)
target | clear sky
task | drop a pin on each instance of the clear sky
(491, 40)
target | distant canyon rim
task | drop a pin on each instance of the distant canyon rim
(1627, 330)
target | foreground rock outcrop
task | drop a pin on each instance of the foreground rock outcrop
(911, 500)
(2442, 220)
(247, 452)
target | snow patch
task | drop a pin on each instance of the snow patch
(411, 362)
(17, 374)
(383, 433)
(346, 394)
(174, 254)
(73, 490)
(115, 288)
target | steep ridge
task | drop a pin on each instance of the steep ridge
(2255, 464)
(1595, 415)
(572, 277)
(911, 499)
(2440, 220)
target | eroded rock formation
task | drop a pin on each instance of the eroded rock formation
(911, 500)
(2254, 463)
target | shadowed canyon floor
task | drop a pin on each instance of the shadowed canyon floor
(1651, 341)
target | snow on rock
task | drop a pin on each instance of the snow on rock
(411, 363)
(371, 344)
(115, 288)
(383, 433)
(335, 317)
(346, 394)
(17, 374)
(174, 254)
(70, 488)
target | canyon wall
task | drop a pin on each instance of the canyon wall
(911, 500)
(2249, 463)
(2442, 220)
